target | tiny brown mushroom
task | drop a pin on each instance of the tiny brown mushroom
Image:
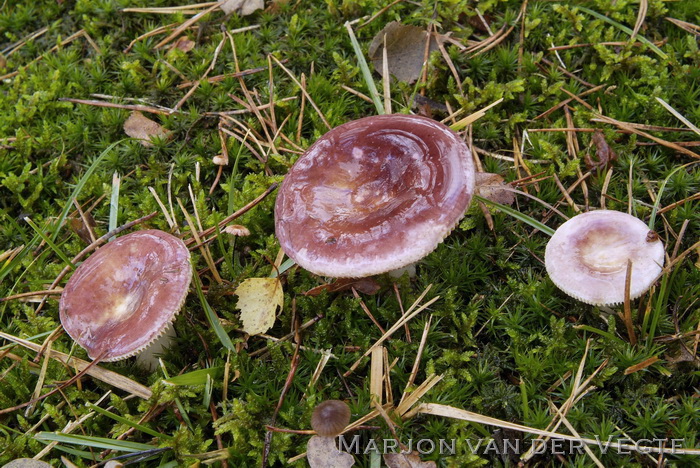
(587, 257)
(330, 418)
(126, 294)
(374, 195)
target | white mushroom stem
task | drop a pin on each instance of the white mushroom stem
(399, 272)
(148, 358)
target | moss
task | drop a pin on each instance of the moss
(501, 334)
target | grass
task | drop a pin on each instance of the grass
(507, 342)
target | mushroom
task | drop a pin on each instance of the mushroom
(330, 418)
(374, 195)
(126, 294)
(587, 257)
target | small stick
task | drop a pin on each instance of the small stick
(186, 25)
(235, 215)
(135, 107)
(367, 311)
(303, 90)
(32, 293)
(398, 298)
(300, 122)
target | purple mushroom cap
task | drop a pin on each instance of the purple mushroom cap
(126, 294)
(374, 195)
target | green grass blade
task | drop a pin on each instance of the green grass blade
(212, 317)
(128, 422)
(79, 187)
(198, 377)
(50, 242)
(96, 442)
(286, 265)
(114, 204)
(366, 73)
(662, 187)
(624, 28)
(600, 332)
(518, 215)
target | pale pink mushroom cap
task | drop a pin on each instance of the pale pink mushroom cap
(126, 294)
(374, 195)
(587, 257)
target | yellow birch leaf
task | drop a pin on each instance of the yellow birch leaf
(258, 299)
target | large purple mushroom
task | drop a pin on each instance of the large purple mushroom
(374, 195)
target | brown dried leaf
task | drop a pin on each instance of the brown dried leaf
(242, 7)
(493, 187)
(604, 153)
(363, 285)
(142, 128)
(322, 453)
(77, 225)
(184, 43)
(406, 460)
(405, 49)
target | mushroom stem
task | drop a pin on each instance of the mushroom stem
(148, 358)
(399, 272)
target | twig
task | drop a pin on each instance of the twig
(134, 107)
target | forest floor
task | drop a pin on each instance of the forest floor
(583, 112)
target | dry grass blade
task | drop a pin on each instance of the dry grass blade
(404, 319)
(97, 372)
(180, 29)
(133, 107)
(642, 365)
(303, 90)
(630, 128)
(417, 394)
(678, 115)
(684, 25)
(468, 120)
(643, 6)
(184, 9)
(416, 363)
(492, 41)
(464, 415)
(376, 376)
(627, 308)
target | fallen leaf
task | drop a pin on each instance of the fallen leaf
(406, 460)
(142, 128)
(77, 225)
(364, 285)
(604, 153)
(405, 50)
(184, 43)
(242, 7)
(493, 187)
(322, 453)
(258, 299)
